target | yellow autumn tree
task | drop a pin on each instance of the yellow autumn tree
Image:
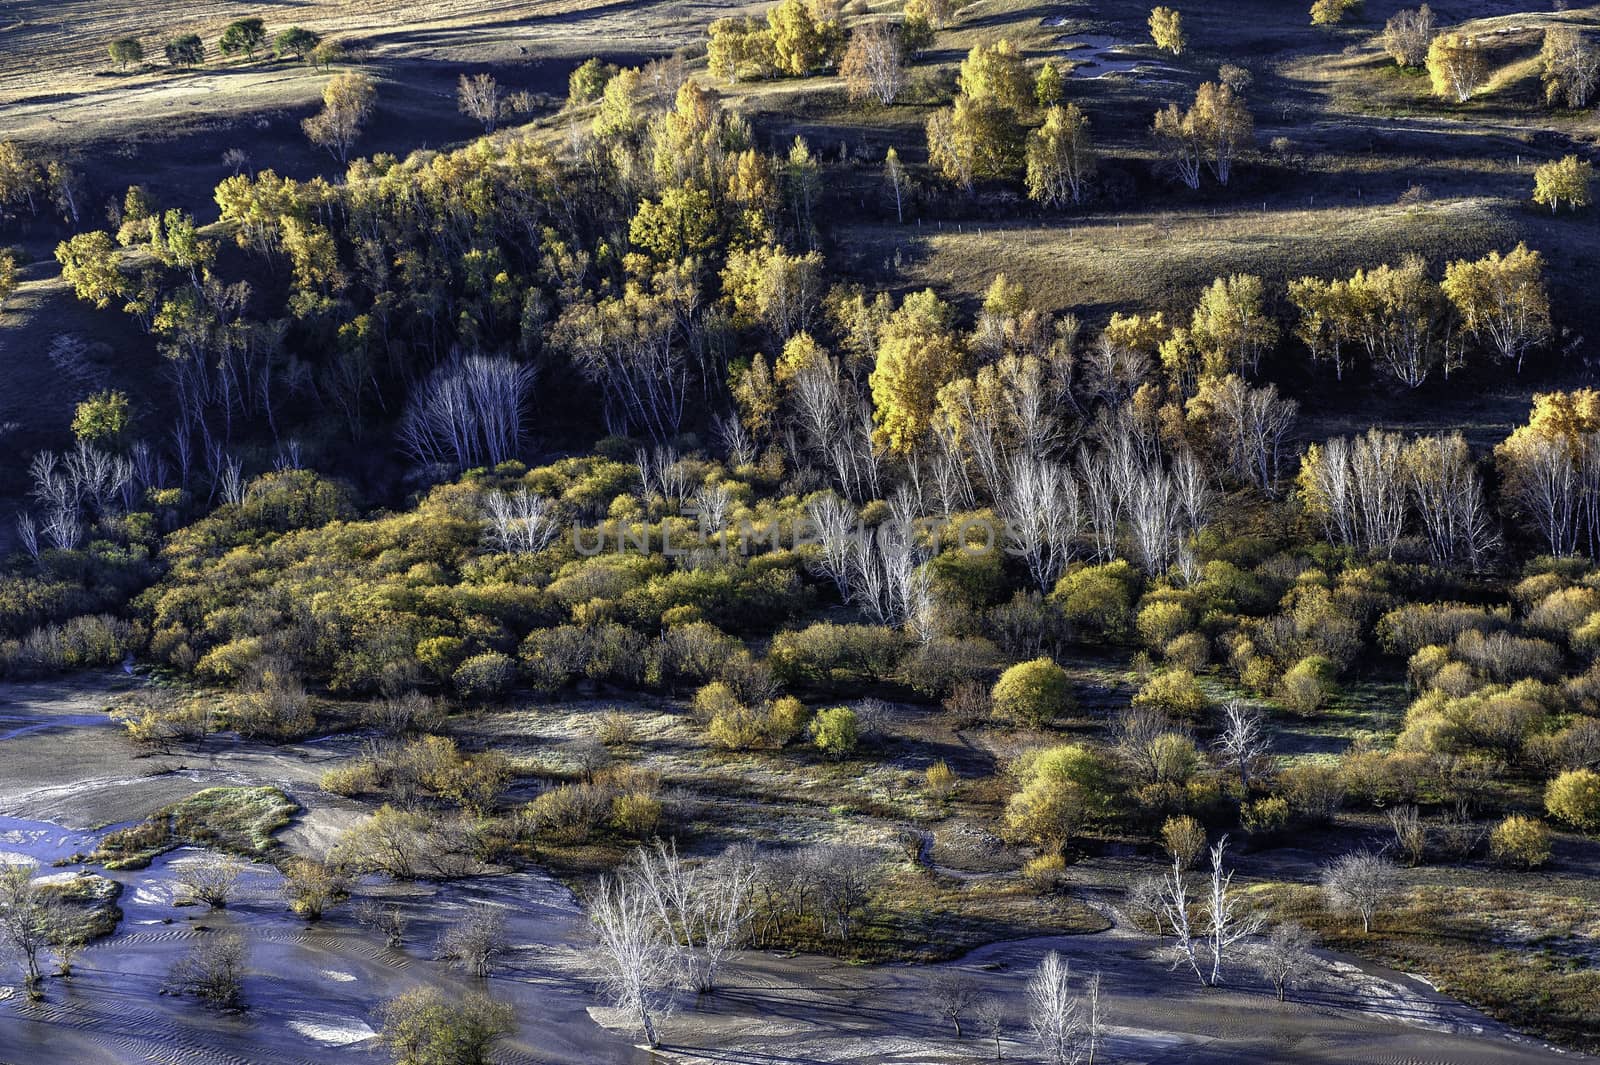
(1566, 180)
(804, 37)
(1138, 332)
(1061, 157)
(346, 102)
(1457, 66)
(918, 352)
(1541, 465)
(1502, 301)
(1166, 29)
(974, 139)
(1231, 326)
(995, 74)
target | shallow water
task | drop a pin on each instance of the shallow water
(1097, 55)
(313, 991)
(13, 725)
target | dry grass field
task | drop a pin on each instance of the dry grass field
(58, 83)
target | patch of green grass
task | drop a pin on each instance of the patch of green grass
(238, 820)
(91, 903)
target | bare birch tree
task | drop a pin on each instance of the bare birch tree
(1243, 742)
(520, 522)
(479, 98)
(1362, 881)
(1285, 958)
(1230, 923)
(639, 963)
(1054, 1012)
(472, 411)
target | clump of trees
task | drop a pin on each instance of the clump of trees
(244, 37)
(425, 1025)
(1208, 135)
(798, 38)
(1407, 35)
(1061, 156)
(1568, 180)
(874, 63)
(1408, 324)
(1569, 66)
(1333, 12)
(981, 135)
(664, 922)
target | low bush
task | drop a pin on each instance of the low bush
(832, 657)
(1033, 693)
(835, 731)
(1574, 797)
(1520, 841)
(1174, 692)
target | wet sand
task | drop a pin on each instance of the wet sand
(314, 991)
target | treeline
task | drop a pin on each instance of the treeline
(240, 38)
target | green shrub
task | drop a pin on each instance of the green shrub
(1045, 873)
(1574, 797)
(1407, 629)
(940, 780)
(1034, 693)
(1265, 816)
(1174, 691)
(485, 676)
(1314, 792)
(1520, 841)
(786, 718)
(1189, 651)
(615, 729)
(1061, 788)
(938, 667)
(441, 655)
(835, 731)
(637, 813)
(737, 727)
(826, 656)
(568, 813)
(1028, 625)
(1307, 685)
(1561, 614)
(970, 579)
(1162, 622)
(1100, 597)
(357, 777)
(272, 706)
(1184, 839)
(1509, 658)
